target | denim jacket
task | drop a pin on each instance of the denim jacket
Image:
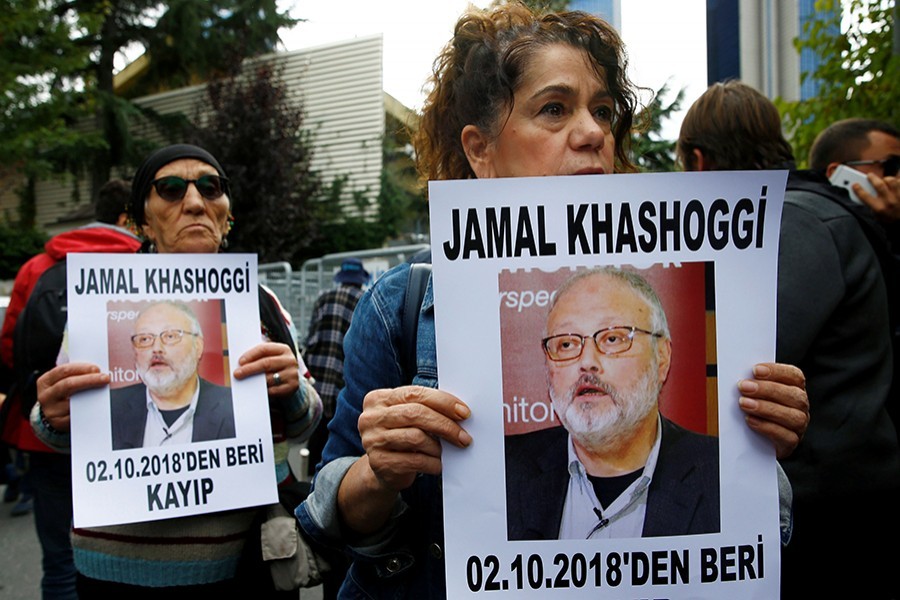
(405, 559)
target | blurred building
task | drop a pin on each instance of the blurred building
(753, 40)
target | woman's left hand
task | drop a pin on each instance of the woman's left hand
(775, 405)
(277, 362)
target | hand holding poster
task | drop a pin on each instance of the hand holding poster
(173, 434)
(615, 317)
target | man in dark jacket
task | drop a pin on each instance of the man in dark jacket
(833, 322)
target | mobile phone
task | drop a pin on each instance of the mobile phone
(845, 177)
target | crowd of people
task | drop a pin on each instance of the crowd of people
(515, 93)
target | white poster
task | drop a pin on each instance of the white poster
(174, 434)
(673, 496)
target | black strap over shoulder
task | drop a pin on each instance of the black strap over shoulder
(412, 305)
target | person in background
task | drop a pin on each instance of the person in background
(180, 201)
(833, 323)
(873, 148)
(324, 348)
(514, 94)
(50, 472)
(869, 146)
(18, 487)
(331, 315)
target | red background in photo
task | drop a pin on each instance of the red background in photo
(211, 314)
(689, 396)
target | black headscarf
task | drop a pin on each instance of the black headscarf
(140, 185)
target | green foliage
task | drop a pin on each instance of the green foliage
(537, 5)
(651, 152)
(194, 40)
(56, 71)
(351, 233)
(40, 61)
(396, 206)
(859, 72)
(402, 193)
(255, 129)
(17, 245)
(401, 206)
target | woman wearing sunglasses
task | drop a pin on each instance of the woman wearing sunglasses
(180, 204)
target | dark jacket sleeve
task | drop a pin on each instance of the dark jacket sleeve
(832, 323)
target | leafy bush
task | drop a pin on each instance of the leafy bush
(17, 245)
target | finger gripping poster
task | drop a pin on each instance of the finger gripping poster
(598, 327)
(173, 434)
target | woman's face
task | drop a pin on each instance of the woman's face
(192, 224)
(560, 123)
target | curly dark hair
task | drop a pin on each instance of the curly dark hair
(476, 74)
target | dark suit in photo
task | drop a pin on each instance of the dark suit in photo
(683, 498)
(213, 417)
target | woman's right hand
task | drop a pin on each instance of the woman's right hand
(56, 386)
(401, 429)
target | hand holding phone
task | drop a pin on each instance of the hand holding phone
(845, 177)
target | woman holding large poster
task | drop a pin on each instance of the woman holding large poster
(515, 94)
(180, 202)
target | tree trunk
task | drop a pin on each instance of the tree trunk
(106, 113)
(895, 30)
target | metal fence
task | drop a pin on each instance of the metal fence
(297, 290)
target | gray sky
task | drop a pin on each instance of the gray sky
(666, 41)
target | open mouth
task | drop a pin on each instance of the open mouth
(589, 391)
(591, 387)
(158, 363)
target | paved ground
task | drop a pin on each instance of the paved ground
(20, 553)
(20, 558)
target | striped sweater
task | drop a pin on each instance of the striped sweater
(192, 550)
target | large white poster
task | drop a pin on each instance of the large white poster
(141, 449)
(610, 458)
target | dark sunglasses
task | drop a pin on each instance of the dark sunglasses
(173, 188)
(890, 165)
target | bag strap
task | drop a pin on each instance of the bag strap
(412, 305)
